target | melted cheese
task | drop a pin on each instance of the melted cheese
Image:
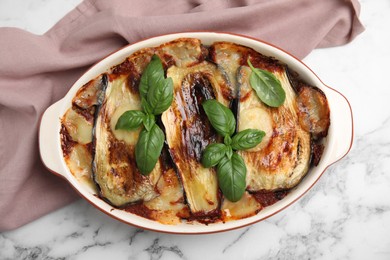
(78, 127)
(184, 52)
(227, 56)
(79, 163)
(247, 206)
(120, 101)
(169, 207)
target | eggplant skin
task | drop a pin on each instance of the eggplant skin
(313, 109)
(188, 131)
(90, 94)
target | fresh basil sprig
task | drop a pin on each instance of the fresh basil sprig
(213, 154)
(231, 169)
(156, 97)
(267, 87)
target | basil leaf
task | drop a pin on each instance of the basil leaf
(153, 71)
(221, 117)
(213, 154)
(229, 152)
(160, 95)
(231, 177)
(267, 87)
(227, 140)
(148, 149)
(130, 120)
(247, 139)
(149, 120)
(145, 106)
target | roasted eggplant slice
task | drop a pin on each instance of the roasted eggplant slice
(188, 131)
(76, 130)
(314, 114)
(78, 120)
(169, 207)
(88, 95)
(226, 55)
(114, 167)
(231, 56)
(313, 108)
(77, 154)
(182, 52)
(283, 157)
(80, 160)
(247, 206)
(78, 127)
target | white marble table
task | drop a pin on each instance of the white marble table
(345, 216)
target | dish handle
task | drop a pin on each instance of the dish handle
(48, 131)
(341, 125)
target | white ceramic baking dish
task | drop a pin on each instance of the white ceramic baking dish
(337, 144)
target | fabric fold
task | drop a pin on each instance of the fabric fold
(37, 70)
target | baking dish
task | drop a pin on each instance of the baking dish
(337, 144)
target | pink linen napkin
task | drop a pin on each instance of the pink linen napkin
(37, 70)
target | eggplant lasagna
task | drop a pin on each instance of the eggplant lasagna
(179, 188)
